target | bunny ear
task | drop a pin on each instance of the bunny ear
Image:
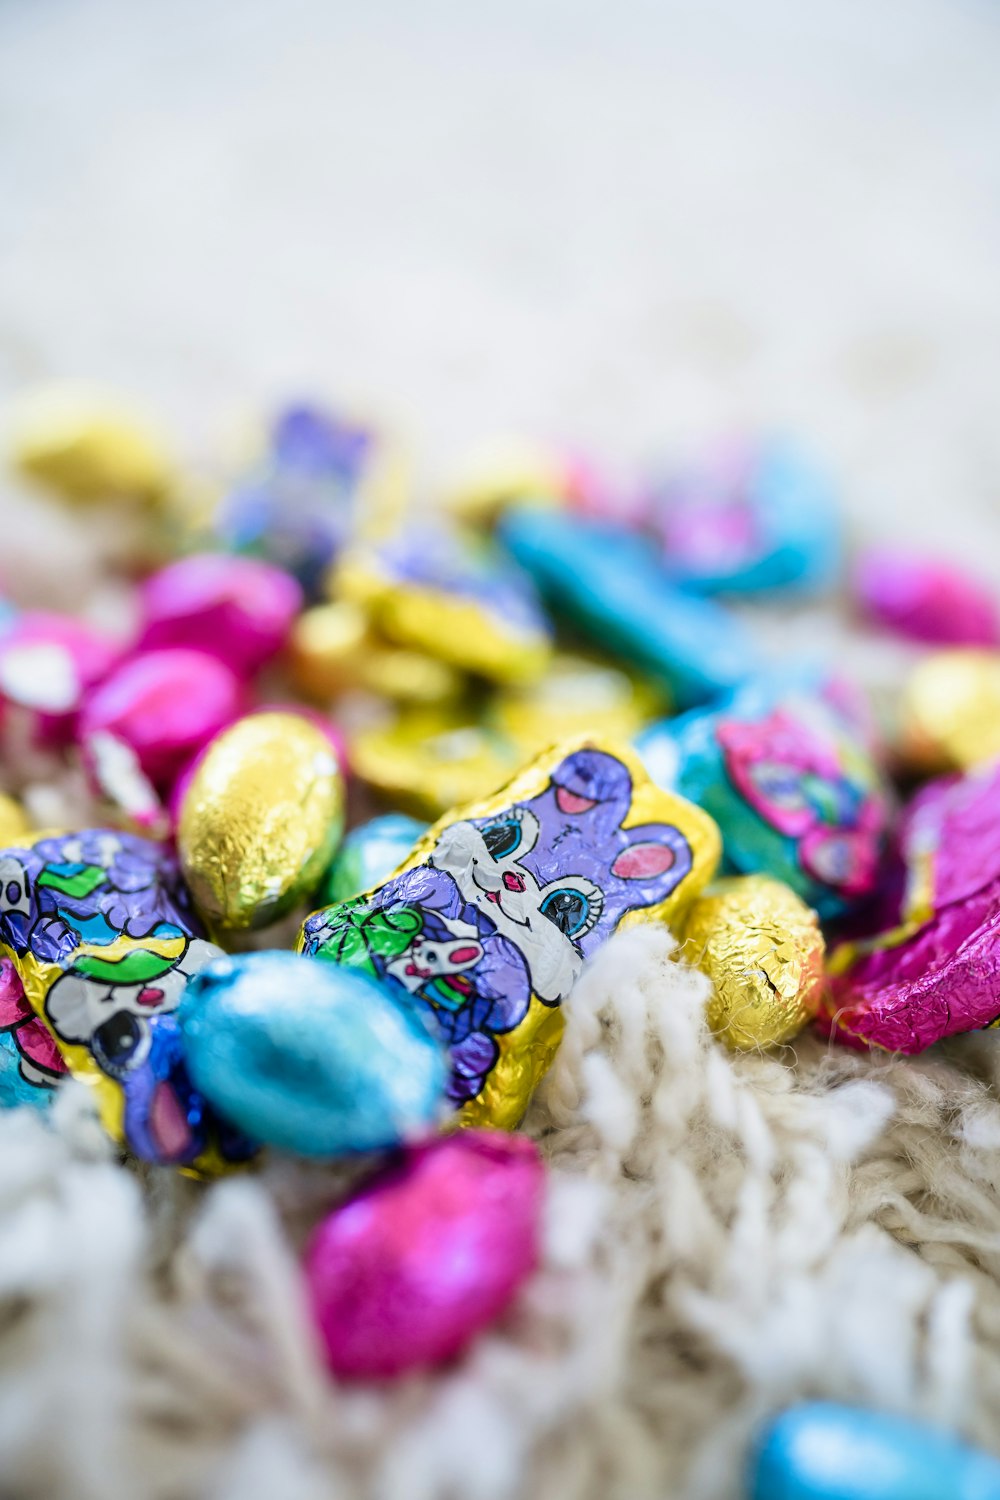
(643, 861)
(658, 854)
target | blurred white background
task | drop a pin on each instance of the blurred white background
(627, 224)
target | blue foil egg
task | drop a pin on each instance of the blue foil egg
(822, 1451)
(369, 854)
(613, 587)
(308, 1057)
(786, 767)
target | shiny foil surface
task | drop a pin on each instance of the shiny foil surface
(260, 820)
(442, 591)
(100, 932)
(429, 760)
(936, 971)
(369, 855)
(310, 1058)
(487, 925)
(332, 650)
(88, 447)
(788, 769)
(431, 1250)
(762, 948)
(950, 711)
(578, 695)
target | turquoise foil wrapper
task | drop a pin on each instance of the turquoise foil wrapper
(822, 1451)
(787, 771)
(14, 1087)
(308, 1057)
(614, 588)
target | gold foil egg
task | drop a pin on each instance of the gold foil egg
(427, 761)
(578, 695)
(332, 650)
(950, 711)
(762, 948)
(260, 820)
(88, 446)
(502, 474)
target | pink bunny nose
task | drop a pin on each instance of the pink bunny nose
(150, 997)
(513, 882)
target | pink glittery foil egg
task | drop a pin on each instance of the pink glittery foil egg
(239, 609)
(162, 706)
(431, 1250)
(48, 663)
(925, 599)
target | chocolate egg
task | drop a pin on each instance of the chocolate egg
(260, 820)
(31, 1065)
(88, 446)
(429, 1252)
(309, 1058)
(949, 717)
(762, 949)
(429, 760)
(577, 695)
(239, 609)
(49, 663)
(823, 1451)
(332, 649)
(15, 825)
(486, 927)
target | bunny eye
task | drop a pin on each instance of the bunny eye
(502, 838)
(574, 909)
(515, 832)
(119, 1041)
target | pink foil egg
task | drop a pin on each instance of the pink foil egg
(163, 706)
(239, 609)
(48, 662)
(925, 599)
(428, 1253)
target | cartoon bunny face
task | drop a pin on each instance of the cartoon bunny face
(89, 1007)
(544, 921)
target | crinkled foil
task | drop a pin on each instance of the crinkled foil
(762, 949)
(261, 820)
(487, 925)
(427, 761)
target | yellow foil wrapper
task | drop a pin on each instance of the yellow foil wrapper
(487, 925)
(427, 761)
(88, 446)
(332, 650)
(950, 711)
(503, 475)
(578, 695)
(260, 821)
(762, 948)
(446, 594)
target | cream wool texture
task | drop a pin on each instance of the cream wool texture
(724, 1235)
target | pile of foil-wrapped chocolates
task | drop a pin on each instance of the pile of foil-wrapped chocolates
(569, 729)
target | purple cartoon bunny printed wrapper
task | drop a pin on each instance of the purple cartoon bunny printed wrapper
(486, 928)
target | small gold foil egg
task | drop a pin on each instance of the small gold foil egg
(427, 761)
(950, 711)
(332, 650)
(88, 446)
(502, 473)
(762, 949)
(261, 820)
(15, 826)
(578, 695)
